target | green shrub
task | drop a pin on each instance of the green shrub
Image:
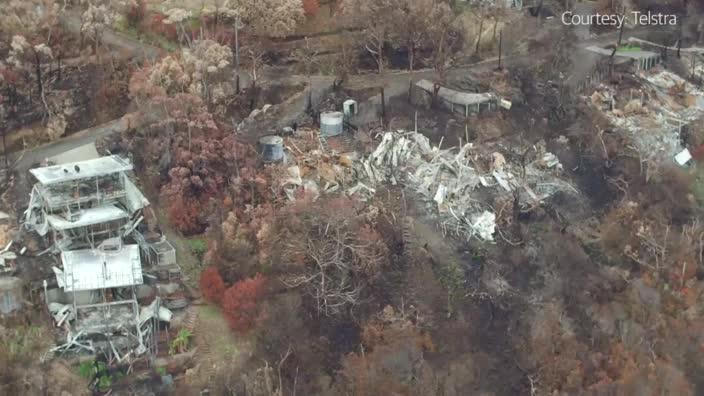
(180, 343)
(198, 248)
(104, 383)
(91, 370)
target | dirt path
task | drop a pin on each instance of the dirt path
(24, 160)
(395, 83)
(219, 349)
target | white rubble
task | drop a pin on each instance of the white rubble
(653, 117)
(453, 178)
(485, 225)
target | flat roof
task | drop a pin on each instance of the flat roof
(457, 97)
(623, 54)
(88, 217)
(93, 269)
(81, 170)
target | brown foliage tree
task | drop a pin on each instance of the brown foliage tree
(194, 156)
(415, 22)
(311, 7)
(654, 241)
(393, 349)
(375, 19)
(553, 349)
(184, 214)
(240, 303)
(159, 26)
(332, 252)
(212, 285)
(136, 13)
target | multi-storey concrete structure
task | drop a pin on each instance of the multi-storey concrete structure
(88, 213)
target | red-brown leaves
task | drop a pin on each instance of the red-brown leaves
(184, 214)
(241, 303)
(212, 285)
(311, 7)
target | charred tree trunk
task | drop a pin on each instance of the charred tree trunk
(434, 99)
(479, 36)
(679, 39)
(496, 22)
(38, 73)
(380, 57)
(309, 106)
(11, 117)
(28, 79)
(501, 37)
(516, 212)
(4, 148)
(383, 106)
(539, 9)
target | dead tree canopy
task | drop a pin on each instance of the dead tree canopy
(337, 255)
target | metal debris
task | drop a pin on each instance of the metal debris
(450, 178)
(654, 115)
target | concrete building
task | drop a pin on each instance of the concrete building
(82, 203)
(89, 213)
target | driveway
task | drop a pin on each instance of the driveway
(395, 83)
(139, 50)
(24, 160)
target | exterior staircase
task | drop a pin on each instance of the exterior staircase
(204, 356)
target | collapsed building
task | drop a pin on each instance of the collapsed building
(91, 215)
(462, 186)
(653, 116)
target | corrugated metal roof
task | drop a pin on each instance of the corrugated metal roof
(622, 54)
(88, 217)
(135, 199)
(96, 269)
(456, 97)
(81, 170)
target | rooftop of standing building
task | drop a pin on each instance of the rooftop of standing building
(81, 170)
(456, 97)
(631, 54)
(93, 269)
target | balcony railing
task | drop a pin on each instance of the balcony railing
(55, 201)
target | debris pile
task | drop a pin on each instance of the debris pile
(317, 166)
(654, 115)
(462, 183)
